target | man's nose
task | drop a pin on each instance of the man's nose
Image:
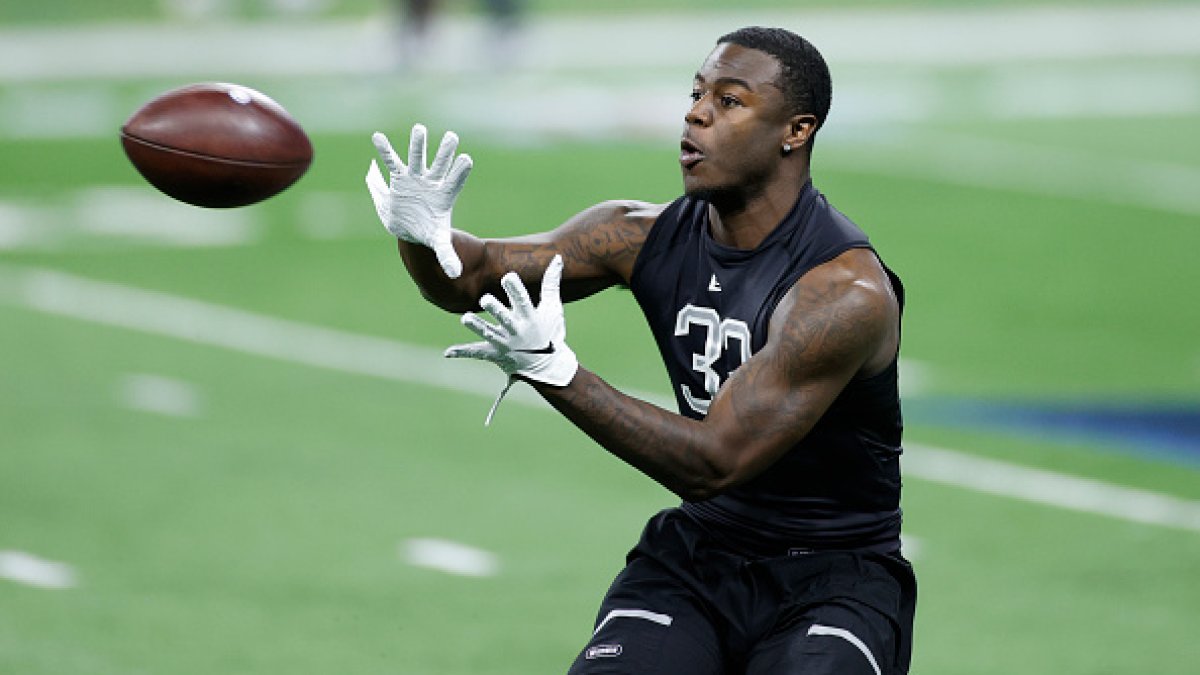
(700, 114)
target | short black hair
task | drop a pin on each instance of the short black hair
(806, 83)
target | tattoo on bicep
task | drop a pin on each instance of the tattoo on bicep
(521, 258)
(827, 329)
(824, 332)
(615, 243)
(607, 244)
(762, 409)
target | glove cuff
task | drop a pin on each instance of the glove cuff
(557, 369)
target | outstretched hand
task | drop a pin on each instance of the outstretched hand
(526, 340)
(415, 206)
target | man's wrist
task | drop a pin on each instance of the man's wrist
(557, 373)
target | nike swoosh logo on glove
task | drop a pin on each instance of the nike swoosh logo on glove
(548, 349)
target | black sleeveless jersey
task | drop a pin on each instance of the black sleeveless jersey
(708, 307)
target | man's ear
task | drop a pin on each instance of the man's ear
(801, 130)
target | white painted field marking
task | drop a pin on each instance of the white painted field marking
(238, 330)
(66, 295)
(1050, 488)
(28, 569)
(450, 557)
(158, 394)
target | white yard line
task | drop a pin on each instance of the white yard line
(67, 295)
(241, 331)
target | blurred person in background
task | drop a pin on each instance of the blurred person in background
(780, 329)
(416, 19)
(416, 24)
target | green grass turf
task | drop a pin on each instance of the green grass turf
(198, 541)
(261, 536)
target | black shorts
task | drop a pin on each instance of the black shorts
(684, 604)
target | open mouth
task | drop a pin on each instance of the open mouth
(689, 154)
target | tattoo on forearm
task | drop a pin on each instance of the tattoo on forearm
(659, 443)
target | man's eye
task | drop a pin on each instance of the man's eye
(697, 95)
(730, 101)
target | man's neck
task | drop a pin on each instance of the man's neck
(746, 226)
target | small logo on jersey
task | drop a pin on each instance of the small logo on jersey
(602, 652)
(713, 284)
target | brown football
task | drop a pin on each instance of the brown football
(217, 145)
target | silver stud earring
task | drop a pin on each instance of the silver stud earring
(787, 147)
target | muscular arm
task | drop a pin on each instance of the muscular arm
(599, 247)
(839, 321)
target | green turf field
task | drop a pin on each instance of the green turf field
(231, 446)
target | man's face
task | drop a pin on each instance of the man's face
(734, 131)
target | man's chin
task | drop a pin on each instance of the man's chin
(697, 190)
(719, 196)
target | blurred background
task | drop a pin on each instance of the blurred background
(228, 442)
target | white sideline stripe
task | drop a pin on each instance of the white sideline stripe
(660, 619)
(819, 629)
(62, 294)
(31, 570)
(949, 467)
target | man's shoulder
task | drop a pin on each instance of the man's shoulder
(625, 216)
(855, 279)
(609, 235)
(629, 211)
(849, 297)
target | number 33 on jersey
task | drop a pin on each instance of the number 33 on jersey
(721, 336)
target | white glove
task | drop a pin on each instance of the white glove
(416, 206)
(526, 340)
